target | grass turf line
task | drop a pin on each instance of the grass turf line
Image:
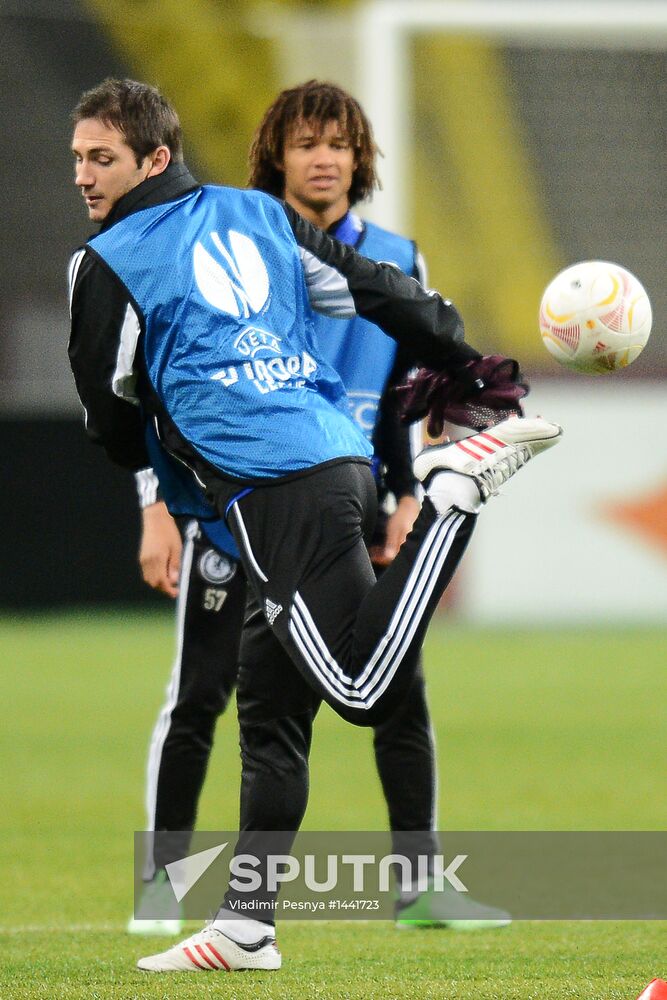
(537, 729)
(527, 961)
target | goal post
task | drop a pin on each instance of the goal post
(518, 136)
(384, 28)
(500, 190)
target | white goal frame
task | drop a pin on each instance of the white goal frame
(384, 28)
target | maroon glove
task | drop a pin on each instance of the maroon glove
(479, 394)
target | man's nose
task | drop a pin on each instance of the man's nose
(83, 176)
(324, 154)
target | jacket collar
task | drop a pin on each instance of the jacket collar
(172, 183)
(348, 229)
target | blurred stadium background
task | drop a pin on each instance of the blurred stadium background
(523, 138)
(514, 147)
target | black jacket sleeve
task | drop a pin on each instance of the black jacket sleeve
(391, 437)
(99, 310)
(343, 283)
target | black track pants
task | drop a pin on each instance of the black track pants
(276, 707)
(355, 639)
(209, 618)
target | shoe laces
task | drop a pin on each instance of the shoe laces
(498, 470)
(207, 931)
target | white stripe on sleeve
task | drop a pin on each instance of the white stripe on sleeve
(147, 484)
(72, 271)
(328, 289)
(124, 378)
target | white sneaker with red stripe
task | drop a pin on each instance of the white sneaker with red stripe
(490, 457)
(212, 951)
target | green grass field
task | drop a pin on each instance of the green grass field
(536, 730)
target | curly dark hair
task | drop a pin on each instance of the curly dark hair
(315, 103)
(146, 118)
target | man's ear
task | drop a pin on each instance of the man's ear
(159, 160)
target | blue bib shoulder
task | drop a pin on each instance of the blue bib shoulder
(381, 245)
(228, 337)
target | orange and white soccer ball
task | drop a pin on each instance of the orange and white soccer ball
(595, 317)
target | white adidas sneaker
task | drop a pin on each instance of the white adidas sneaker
(490, 457)
(212, 951)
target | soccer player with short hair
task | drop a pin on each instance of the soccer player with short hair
(196, 304)
(315, 149)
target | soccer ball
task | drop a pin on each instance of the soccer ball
(595, 317)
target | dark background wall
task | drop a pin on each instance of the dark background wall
(70, 520)
(593, 124)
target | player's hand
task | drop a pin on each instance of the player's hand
(160, 549)
(399, 525)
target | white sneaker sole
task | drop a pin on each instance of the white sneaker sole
(206, 952)
(472, 455)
